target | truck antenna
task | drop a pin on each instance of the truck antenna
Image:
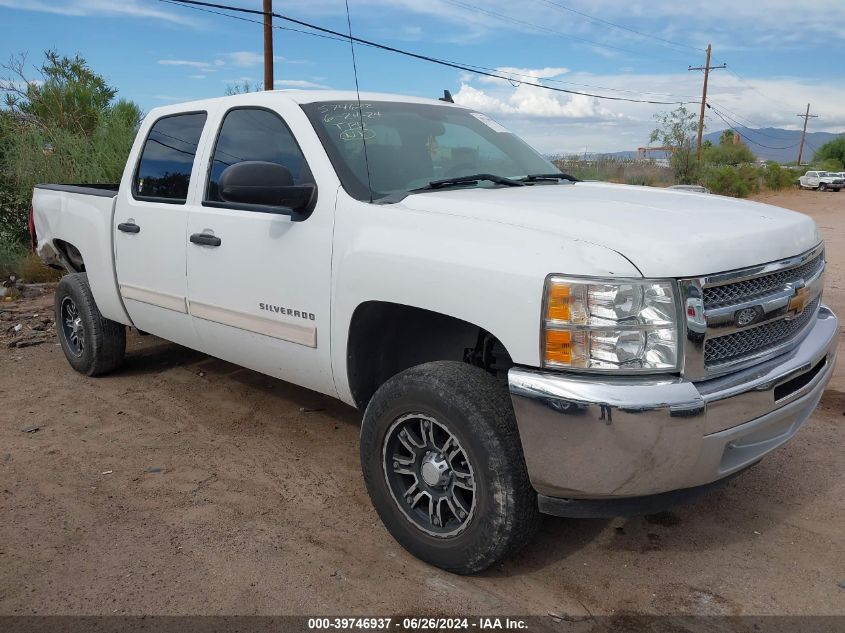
(358, 95)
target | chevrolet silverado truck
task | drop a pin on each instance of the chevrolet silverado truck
(520, 343)
(821, 181)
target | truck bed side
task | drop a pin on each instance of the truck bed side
(71, 218)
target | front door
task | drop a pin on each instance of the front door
(150, 223)
(258, 282)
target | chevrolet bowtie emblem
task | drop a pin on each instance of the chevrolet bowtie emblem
(798, 301)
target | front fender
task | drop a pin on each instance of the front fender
(486, 273)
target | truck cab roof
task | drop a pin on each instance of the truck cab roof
(269, 97)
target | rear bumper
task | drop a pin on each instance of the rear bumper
(603, 438)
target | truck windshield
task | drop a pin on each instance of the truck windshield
(410, 144)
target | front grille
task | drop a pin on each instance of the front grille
(729, 294)
(759, 339)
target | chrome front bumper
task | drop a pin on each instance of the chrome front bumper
(596, 437)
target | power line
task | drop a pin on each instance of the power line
(545, 29)
(345, 40)
(427, 58)
(572, 83)
(779, 102)
(563, 7)
(748, 123)
(724, 117)
(243, 19)
(741, 135)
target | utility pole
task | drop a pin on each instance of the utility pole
(706, 68)
(806, 116)
(268, 44)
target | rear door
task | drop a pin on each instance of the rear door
(150, 223)
(258, 282)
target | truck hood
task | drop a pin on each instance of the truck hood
(664, 233)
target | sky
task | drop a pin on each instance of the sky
(780, 55)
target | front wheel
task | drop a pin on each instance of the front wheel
(444, 468)
(92, 344)
(822, 187)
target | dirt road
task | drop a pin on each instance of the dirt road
(185, 485)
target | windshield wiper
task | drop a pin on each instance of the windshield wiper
(471, 180)
(542, 177)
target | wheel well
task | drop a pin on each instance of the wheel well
(387, 338)
(70, 254)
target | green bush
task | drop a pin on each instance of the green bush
(615, 170)
(829, 164)
(727, 181)
(12, 254)
(832, 151)
(65, 128)
(776, 177)
(751, 176)
(642, 180)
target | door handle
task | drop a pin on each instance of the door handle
(128, 227)
(205, 239)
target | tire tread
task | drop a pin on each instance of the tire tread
(466, 389)
(107, 338)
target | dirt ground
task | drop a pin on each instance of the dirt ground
(186, 485)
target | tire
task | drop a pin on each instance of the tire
(484, 452)
(93, 345)
(822, 187)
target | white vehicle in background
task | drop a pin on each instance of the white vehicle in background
(520, 343)
(822, 180)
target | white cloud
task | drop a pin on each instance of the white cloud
(533, 102)
(245, 58)
(198, 76)
(100, 8)
(555, 122)
(522, 74)
(297, 83)
(205, 66)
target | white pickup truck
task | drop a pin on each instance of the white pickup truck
(520, 343)
(821, 180)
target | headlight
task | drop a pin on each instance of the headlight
(629, 325)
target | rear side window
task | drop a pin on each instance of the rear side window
(164, 171)
(255, 134)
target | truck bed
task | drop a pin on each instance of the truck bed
(73, 229)
(106, 190)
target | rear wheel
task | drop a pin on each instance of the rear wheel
(92, 344)
(443, 464)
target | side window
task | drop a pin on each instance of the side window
(255, 134)
(164, 170)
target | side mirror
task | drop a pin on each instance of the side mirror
(266, 185)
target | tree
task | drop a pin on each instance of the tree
(730, 151)
(834, 151)
(242, 88)
(65, 126)
(69, 95)
(678, 129)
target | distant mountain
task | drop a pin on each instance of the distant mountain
(769, 143)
